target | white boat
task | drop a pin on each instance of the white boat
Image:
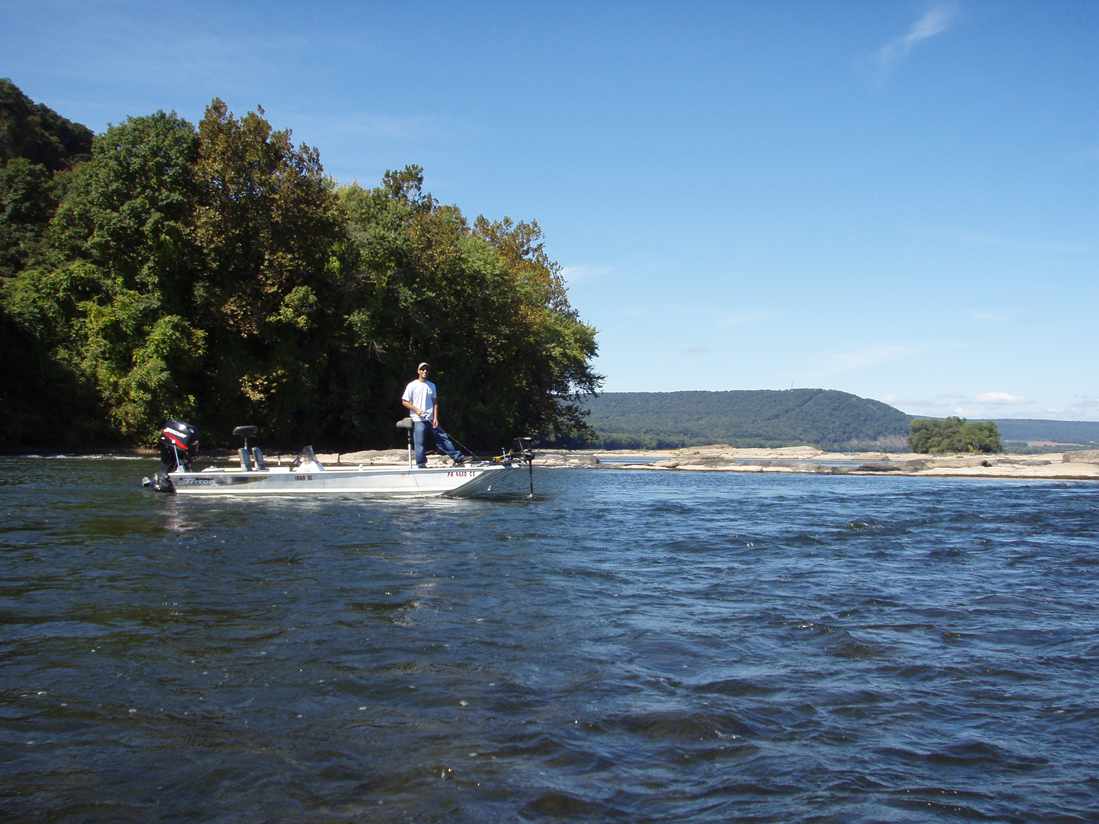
(456, 482)
(307, 476)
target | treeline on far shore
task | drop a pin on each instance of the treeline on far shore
(214, 273)
(746, 418)
(824, 418)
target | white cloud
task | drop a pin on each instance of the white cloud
(1000, 398)
(986, 405)
(1083, 408)
(937, 20)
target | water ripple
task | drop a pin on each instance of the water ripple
(631, 645)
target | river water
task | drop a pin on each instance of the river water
(630, 645)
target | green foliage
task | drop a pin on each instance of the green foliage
(37, 133)
(483, 303)
(267, 221)
(129, 209)
(26, 205)
(215, 274)
(116, 258)
(760, 418)
(954, 435)
(151, 390)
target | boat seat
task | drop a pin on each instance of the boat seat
(404, 423)
(245, 460)
(258, 459)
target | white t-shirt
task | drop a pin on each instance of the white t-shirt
(422, 395)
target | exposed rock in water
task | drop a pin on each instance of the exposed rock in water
(880, 467)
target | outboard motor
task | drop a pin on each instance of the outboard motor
(178, 448)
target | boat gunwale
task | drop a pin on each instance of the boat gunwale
(224, 487)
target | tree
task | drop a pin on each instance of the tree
(216, 272)
(111, 291)
(26, 205)
(954, 434)
(485, 304)
(267, 222)
(37, 146)
(37, 133)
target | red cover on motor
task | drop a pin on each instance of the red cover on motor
(183, 435)
(175, 438)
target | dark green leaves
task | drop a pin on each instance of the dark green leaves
(215, 274)
(954, 435)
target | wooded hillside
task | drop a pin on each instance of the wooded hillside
(1068, 432)
(826, 418)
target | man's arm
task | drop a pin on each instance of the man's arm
(407, 402)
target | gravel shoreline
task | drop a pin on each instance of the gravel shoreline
(796, 459)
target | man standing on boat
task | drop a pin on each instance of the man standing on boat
(420, 398)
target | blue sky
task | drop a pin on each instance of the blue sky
(894, 199)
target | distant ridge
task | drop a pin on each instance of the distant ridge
(1067, 432)
(768, 418)
(747, 418)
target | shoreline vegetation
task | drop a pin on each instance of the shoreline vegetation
(1061, 466)
(212, 272)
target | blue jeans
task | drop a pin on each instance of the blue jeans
(442, 441)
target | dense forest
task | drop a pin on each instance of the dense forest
(214, 273)
(759, 418)
(828, 419)
(954, 434)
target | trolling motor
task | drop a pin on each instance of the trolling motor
(523, 447)
(521, 452)
(178, 448)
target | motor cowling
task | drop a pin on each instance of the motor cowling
(178, 446)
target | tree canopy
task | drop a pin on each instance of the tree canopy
(954, 435)
(37, 133)
(215, 274)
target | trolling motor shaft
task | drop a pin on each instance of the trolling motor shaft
(522, 451)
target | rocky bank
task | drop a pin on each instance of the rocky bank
(804, 459)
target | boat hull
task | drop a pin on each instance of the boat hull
(457, 482)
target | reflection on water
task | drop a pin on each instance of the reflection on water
(629, 645)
